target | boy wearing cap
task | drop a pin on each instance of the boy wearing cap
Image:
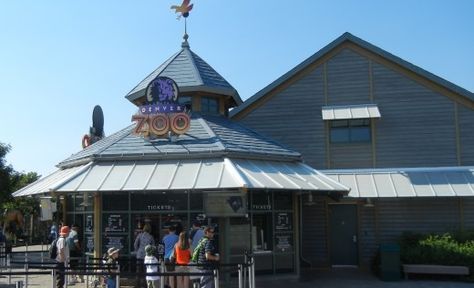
(62, 259)
(111, 263)
(151, 264)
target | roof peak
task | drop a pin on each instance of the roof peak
(185, 43)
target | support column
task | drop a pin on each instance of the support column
(64, 209)
(97, 225)
(296, 222)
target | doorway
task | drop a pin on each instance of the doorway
(343, 234)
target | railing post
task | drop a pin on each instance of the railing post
(239, 268)
(117, 277)
(9, 269)
(162, 278)
(216, 278)
(26, 274)
(253, 271)
(86, 269)
(53, 275)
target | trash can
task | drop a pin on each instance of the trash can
(390, 262)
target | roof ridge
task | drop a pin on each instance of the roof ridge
(190, 54)
(364, 44)
(119, 135)
(162, 67)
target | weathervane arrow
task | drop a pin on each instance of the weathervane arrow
(184, 8)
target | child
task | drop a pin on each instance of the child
(112, 266)
(151, 280)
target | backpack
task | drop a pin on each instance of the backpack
(197, 250)
(53, 249)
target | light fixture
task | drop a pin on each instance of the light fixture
(310, 201)
(85, 200)
(368, 203)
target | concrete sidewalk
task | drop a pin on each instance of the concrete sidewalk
(335, 278)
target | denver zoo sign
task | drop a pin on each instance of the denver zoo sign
(162, 114)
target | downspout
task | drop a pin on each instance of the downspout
(301, 231)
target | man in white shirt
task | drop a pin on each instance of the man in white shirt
(62, 258)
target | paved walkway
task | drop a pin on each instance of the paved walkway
(337, 278)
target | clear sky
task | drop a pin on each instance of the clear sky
(60, 58)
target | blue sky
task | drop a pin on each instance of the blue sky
(58, 59)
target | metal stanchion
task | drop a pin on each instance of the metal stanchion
(216, 278)
(9, 269)
(19, 284)
(239, 268)
(117, 277)
(162, 278)
(252, 264)
(26, 274)
(86, 270)
(53, 276)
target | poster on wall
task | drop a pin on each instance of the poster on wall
(283, 222)
(89, 224)
(116, 241)
(284, 242)
(89, 244)
(225, 205)
(115, 223)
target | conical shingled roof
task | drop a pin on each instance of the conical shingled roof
(191, 73)
(208, 136)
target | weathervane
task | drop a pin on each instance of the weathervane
(184, 9)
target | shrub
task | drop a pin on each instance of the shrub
(444, 249)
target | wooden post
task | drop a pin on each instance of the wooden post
(97, 225)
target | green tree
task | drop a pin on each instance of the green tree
(11, 181)
(5, 174)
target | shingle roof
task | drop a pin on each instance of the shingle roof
(191, 73)
(374, 49)
(208, 136)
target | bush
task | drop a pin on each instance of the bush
(444, 249)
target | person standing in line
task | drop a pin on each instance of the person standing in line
(196, 234)
(169, 241)
(207, 256)
(62, 258)
(182, 254)
(74, 251)
(112, 266)
(151, 264)
(53, 233)
(143, 239)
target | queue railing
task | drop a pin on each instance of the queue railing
(94, 268)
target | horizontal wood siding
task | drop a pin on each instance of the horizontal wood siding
(351, 155)
(421, 215)
(417, 127)
(293, 118)
(466, 131)
(367, 235)
(314, 231)
(348, 78)
(468, 212)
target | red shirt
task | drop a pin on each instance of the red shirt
(182, 256)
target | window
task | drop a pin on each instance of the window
(209, 106)
(347, 131)
(187, 101)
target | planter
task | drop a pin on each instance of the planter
(434, 269)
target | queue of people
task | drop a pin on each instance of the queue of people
(195, 246)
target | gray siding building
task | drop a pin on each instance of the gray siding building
(400, 137)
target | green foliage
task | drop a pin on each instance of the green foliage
(5, 173)
(11, 181)
(446, 249)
